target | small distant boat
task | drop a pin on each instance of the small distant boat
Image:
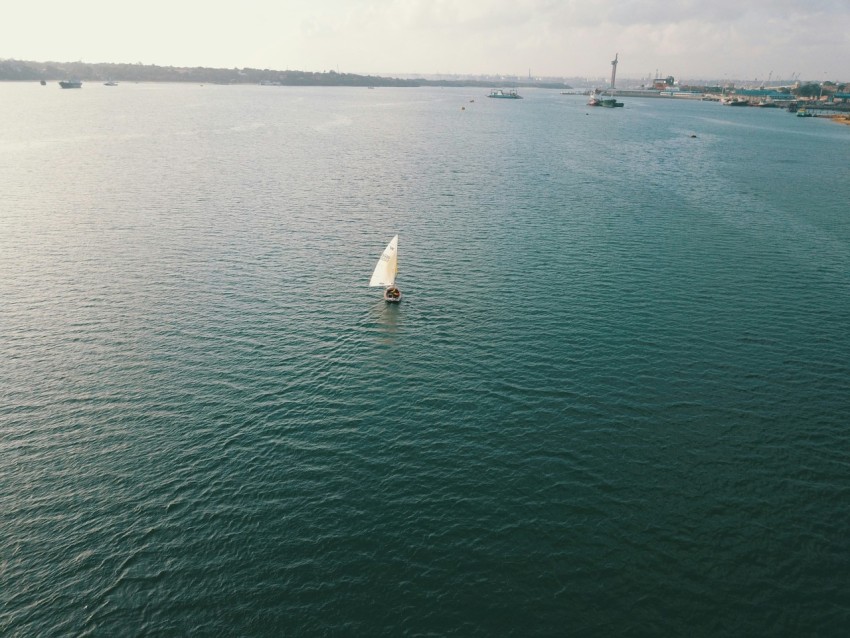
(804, 113)
(71, 84)
(608, 102)
(43, 83)
(386, 271)
(506, 95)
(596, 98)
(110, 83)
(611, 103)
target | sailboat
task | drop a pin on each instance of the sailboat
(386, 271)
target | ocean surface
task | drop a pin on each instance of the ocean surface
(615, 399)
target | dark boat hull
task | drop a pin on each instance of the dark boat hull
(392, 295)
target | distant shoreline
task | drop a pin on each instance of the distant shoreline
(29, 71)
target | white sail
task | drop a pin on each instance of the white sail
(387, 267)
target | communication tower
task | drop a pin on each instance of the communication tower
(614, 69)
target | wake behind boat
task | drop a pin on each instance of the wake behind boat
(386, 271)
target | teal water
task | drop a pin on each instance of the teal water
(614, 399)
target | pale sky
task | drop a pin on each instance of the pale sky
(689, 39)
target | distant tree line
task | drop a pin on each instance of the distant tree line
(17, 70)
(25, 71)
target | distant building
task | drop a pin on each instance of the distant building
(663, 84)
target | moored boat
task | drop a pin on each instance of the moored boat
(596, 96)
(608, 102)
(611, 103)
(71, 84)
(507, 95)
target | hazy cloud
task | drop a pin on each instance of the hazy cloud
(688, 38)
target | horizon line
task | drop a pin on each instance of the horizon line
(424, 75)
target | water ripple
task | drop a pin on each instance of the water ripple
(612, 400)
